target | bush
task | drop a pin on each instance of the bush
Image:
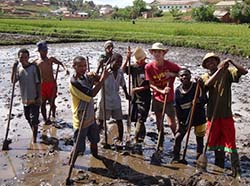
(204, 13)
(241, 12)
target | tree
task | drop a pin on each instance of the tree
(203, 13)
(241, 12)
(123, 13)
(138, 7)
(176, 13)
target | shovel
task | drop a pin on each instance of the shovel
(129, 101)
(190, 122)
(201, 163)
(74, 153)
(54, 91)
(106, 145)
(6, 141)
(156, 155)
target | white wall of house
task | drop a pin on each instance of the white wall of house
(183, 6)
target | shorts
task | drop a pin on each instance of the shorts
(222, 135)
(115, 114)
(92, 132)
(31, 113)
(157, 106)
(48, 90)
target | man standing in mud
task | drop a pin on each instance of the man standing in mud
(140, 91)
(29, 79)
(222, 135)
(48, 82)
(183, 101)
(160, 73)
(82, 94)
(108, 47)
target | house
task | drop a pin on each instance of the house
(182, 5)
(8, 10)
(225, 5)
(223, 16)
(107, 9)
(82, 14)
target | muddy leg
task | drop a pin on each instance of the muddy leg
(43, 110)
(120, 129)
(200, 146)
(219, 158)
(235, 165)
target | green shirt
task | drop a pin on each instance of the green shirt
(223, 90)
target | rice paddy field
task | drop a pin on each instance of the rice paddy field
(226, 38)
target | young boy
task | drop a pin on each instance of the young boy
(140, 91)
(108, 47)
(29, 80)
(112, 97)
(218, 81)
(82, 94)
(48, 82)
(184, 96)
(161, 72)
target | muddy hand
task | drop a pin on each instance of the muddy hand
(166, 90)
(224, 64)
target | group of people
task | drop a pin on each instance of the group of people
(153, 80)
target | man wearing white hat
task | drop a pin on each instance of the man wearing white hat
(219, 112)
(140, 91)
(161, 74)
(108, 47)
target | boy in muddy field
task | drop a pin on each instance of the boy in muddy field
(218, 82)
(160, 73)
(140, 91)
(183, 102)
(82, 93)
(28, 76)
(48, 82)
(112, 98)
(108, 47)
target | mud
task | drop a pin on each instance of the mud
(45, 163)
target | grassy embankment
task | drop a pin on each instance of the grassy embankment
(229, 38)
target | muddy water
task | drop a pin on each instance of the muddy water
(44, 163)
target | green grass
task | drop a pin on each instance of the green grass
(214, 36)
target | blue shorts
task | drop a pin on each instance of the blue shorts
(92, 132)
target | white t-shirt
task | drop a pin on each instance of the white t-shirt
(112, 85)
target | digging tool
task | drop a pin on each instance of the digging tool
(129, 91)
(156, 155)
(54, 91)
(190, 119)
(74, 153)
(106, 145)
(202, 160)
(161, 132)
(6, 141)
(87, 60)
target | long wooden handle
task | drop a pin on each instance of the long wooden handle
(161, 132)
(54, 90)
(10, 110)
(129, 91)
(220, 87)
(191, 117)
(74, 153)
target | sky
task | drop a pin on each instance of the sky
(118, 3)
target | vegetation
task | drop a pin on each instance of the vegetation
(241, 12)
(204, 13)
(227, 38)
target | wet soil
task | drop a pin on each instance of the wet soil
(45, 163)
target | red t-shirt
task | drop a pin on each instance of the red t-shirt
(159, 76)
